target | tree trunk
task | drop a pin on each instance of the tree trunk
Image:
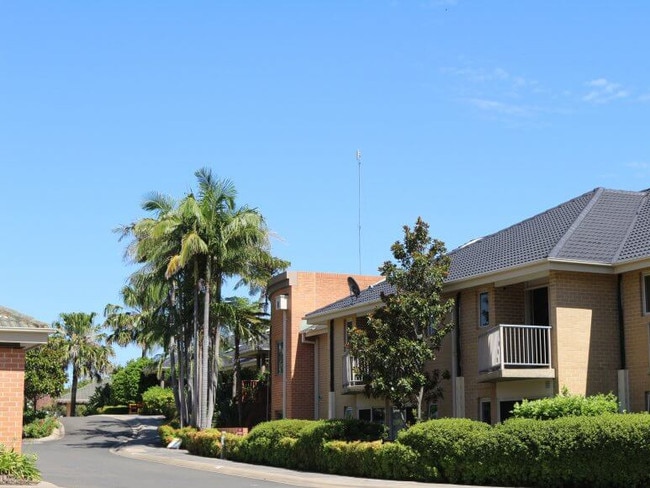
(196, 354)
(237, 387)
(73, 391)
(206, 422)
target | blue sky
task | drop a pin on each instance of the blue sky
(474, 115)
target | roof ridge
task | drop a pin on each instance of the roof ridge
(631, 227)
(576, 223)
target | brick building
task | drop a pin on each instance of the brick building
(293, 359)
(17, 334)
(561, 299)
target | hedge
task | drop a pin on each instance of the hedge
(610, 450)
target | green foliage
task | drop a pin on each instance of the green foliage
(40, 427)
(159, 401)
(45, 373)
(130, 382)
(403, 334)
(206, 443)
(565, 405)
(372, 460)
(261, 445)
(113, 410)
(168, 433)
(99, 399)
(17, 468)
(444, 445)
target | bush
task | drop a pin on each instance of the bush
(40, 427)
(565, 405)
(206, 443)
(17, 468)
(114, 410)
(445, 446)
(263, 444)
(167, 433)
(159, 401)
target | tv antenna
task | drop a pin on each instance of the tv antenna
(359, 161)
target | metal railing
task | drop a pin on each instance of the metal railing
(352, 371)
(514, 346)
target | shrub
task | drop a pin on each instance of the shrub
(40, 427)
(130, 382)
(565, 405)
(311, 439)
(114, 410)
(262, 444)
(159, 401)
(445, 446)
(17, 468)
(206, 443)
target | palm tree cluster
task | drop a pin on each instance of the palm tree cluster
(187, 251)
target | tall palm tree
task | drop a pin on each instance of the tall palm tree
(142, 321)
(86, 353)
(247, 322)
(200, 243)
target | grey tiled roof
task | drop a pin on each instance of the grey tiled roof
(370, 294)
(10, 319)
(84, 393)
(600, 227)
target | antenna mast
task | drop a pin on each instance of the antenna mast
(359, 161)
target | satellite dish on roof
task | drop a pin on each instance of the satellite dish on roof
(354, 287)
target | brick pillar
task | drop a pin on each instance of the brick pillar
(12, 377)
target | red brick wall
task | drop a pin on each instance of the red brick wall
(12, 375)
(307, 292)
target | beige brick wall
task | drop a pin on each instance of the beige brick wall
(584, 315)
(12, 375)
(637, 342)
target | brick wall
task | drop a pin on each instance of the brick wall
(637, 340)
(584, 315)
(12, 375)
(307, 292)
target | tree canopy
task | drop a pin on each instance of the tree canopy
(394, 345)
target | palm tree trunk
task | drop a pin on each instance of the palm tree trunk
(73, 391)
(196, 352)
(237, 377)
(205, 389)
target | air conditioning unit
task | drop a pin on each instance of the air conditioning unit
(282, 302)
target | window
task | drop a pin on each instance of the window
(346, 332)
(646, 294)
(433, 411)
(484, 309)
(485, 407)
(279, 348)
(347, 412)
(647, 401)
(372, 415)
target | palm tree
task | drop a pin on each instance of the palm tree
(200, 243)
(247, 322)
(85, 352)
(142, 322)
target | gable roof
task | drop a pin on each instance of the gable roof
(10, 319)
(605, 227)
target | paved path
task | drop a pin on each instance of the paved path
(122, 451)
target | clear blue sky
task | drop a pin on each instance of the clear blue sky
(474, 115)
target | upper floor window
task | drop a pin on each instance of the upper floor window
(646, 294)
(279, 347)
(484, 309)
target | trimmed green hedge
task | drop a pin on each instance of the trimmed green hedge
(566, 405)
(610, 450)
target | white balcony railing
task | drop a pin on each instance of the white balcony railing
(514, 346)
(351, 371)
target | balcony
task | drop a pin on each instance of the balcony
(515, 352)
(352, 381)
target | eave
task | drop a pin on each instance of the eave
(24, 337)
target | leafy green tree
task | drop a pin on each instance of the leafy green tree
(129, 382)
(402, 335)
(86, 353)
(45, 370)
